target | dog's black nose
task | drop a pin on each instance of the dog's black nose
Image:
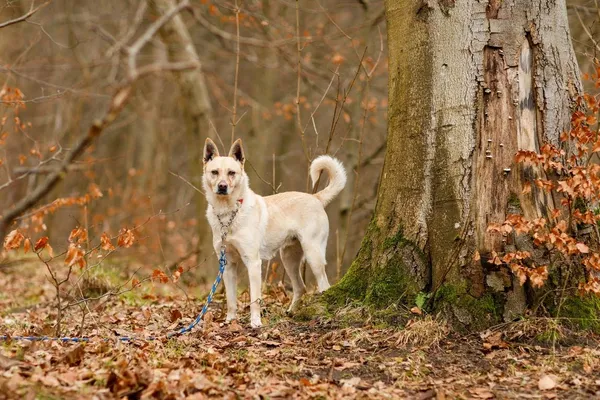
(222, 188)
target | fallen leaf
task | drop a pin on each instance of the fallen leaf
(7, 363)
(495, 341)
(352, 382)
(416, 310)
(75, 356)
(175, 315)
(481, 393)
(547, 382)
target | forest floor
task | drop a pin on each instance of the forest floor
(327, 357)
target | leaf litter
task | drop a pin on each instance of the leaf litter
(321, 358)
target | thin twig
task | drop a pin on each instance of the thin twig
(237, 70)
(587, 31)
(186, 181)
(312, 114)
(137, 46)
(272, 185)
(24, 17)
(337, 113)
(357, 171)
(299, 74)
(116, 106)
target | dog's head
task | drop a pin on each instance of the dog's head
(223, 176)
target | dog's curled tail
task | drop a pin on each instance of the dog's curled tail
(337, 177)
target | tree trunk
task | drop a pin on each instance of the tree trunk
(196, 105)
(470, 83)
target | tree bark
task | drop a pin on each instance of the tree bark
(470, 83)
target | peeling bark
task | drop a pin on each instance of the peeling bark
(471, 82)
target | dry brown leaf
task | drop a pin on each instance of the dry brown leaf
(547, 382)
(105, 242)
(416, 310)
(13, 240)
(41, 243)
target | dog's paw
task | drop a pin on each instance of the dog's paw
(292, 308)
(230, 317)
(255, 323)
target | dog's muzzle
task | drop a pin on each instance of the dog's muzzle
(222, 188)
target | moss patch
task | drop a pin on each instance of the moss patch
(354, 283)
(394, 241)
(382, 276)
(514, 201)
(390, 285)
(310, 308)
(377, 286)
(467, 312)
(581, 312)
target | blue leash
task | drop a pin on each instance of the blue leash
(127, 339)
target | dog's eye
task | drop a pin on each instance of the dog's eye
(231, 173)
(214, 172)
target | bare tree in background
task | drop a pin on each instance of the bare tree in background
(69, 58)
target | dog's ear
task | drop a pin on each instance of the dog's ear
(237, 151)
(210, 150)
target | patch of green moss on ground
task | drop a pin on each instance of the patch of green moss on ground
(378, 287)
(549, 336)
(310, 308)
(352, 286)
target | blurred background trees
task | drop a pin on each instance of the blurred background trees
(311, 78)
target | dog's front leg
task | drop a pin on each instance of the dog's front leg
(230, 279)
(254, 272)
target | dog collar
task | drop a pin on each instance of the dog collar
(241, 201)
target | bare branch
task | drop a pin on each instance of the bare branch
(162, 67)
(116, 106)
(237, 70)
(45, 170)
(117, 103)
(299, 75)
(373, 155)
(186, 181)
(24, 17)
(135, 48)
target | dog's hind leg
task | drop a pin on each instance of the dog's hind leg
(230, 280)
(291, 255)
(315, 256)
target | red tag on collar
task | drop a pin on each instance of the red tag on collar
(241, 201)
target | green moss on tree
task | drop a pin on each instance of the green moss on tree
(471, 312)
(380, 286)
(514, 201)
(395, 240)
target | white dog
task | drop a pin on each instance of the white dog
(255, 227)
